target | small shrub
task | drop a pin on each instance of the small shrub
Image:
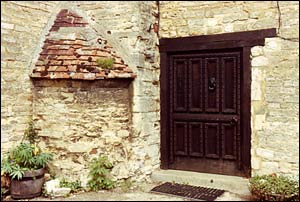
(74, 186)
(274, 188)
(105, 63)
(99, 172)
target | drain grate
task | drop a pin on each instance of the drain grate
(188, 191)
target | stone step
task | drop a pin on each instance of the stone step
(233, 184)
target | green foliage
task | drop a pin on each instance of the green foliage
(274, 188)
(12, 168)
(105, 63)
(30, 133)
(99, 172)
(22, 158)
(26, 156)
(126, 185)
(74, 186)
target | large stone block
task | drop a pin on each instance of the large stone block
(259, 122)
(123, 133)
(145, 104)
(256, 93)
(80, 147)
(270, 167)
(259, 61)
(255, 163)
(285, 167)
(7, 25)
(51, 185)
(265, 153)
(257, 51)
(272, 44)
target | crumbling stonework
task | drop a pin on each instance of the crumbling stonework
(128, 28)
(128, 117)
(81, 120)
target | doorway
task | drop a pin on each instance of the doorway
(205, 102)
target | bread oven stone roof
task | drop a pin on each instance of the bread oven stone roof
(71, 49)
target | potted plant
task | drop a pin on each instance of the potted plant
(25, 165)
(274, 188)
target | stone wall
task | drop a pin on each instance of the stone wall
(80, 120)
(23, 26)
(127, 26)
(275, 69)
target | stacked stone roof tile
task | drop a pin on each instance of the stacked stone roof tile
(71, 56)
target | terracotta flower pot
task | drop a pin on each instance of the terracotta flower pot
(29, 186)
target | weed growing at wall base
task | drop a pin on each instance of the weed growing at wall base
(73, 185)
(274, 188)
(100, 174)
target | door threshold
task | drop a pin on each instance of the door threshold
(233, 184)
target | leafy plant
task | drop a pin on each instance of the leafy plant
(105, 63)
(30, 133)
(26, 156)
(274, 188)
(99, 172)
(74, 186)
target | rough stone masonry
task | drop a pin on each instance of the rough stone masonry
(123, 120)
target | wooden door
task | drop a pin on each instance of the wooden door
(205, 112)
(206, 101)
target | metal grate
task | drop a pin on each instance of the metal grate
(188, 191)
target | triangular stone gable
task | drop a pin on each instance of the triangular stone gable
(71, 49)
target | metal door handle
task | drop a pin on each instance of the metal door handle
(233, 121)
(212, 83)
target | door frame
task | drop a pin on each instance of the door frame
(244, 41)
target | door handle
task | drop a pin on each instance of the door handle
(233, 120)
(212, 84)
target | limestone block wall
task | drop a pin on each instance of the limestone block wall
(127, 26)
(129, 29)
(275, 69)
(80, 120)
(22, 27)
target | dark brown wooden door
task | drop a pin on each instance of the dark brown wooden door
(205, 112)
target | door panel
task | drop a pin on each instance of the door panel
(211, 86)
(228, 141)
(180, 85)
(205, 112)
(180, 138)
(195, 83)
(196, 139)
(229, 84)
(212, 140)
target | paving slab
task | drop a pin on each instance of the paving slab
(236, 188)
(136, 193)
